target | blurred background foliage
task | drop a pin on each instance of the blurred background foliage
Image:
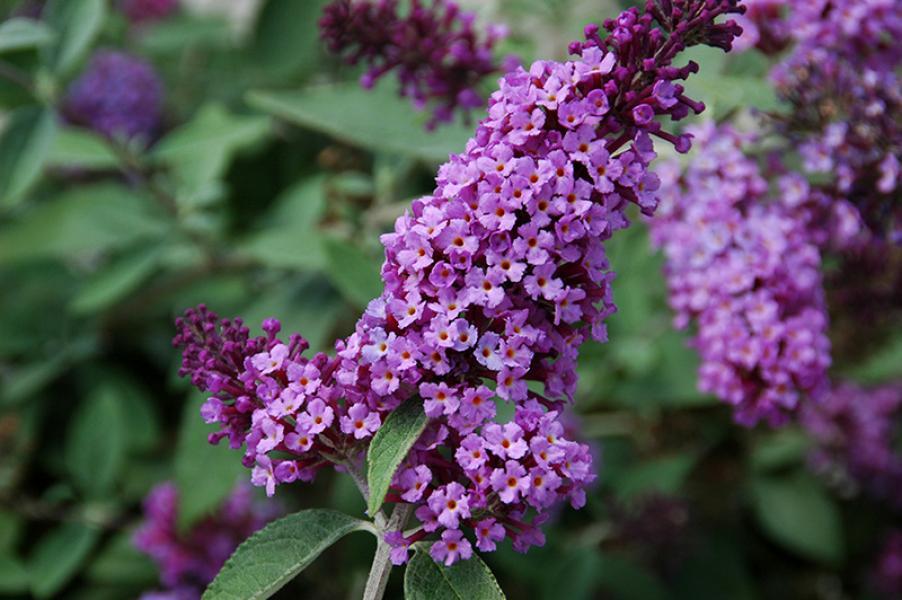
(264, 196)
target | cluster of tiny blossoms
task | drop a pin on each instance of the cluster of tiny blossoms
(189, 560)
(118, 95)
(745, 267)
(436, 52)
(856, 431)
(842, 81)
(492, 283)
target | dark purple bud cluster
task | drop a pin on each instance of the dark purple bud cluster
(435, 50)
(118, 96)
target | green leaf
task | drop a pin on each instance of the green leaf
(13, 575)
(289, 237)
(205, 474)
(95, 442)
(87, 219)
(81, 149)
(779, 449)
(663, 475)
(287, 36)
(11, 526)
(119, 562)
(628, 580)
(115, 281)
(58, 556)
(307, 306)
(77, 23)
(798, 514)
(179, 33)
(277, 553)
(390, 446)
(141, 423)
(880, 366)
(21, 33)
(352, 271)
(573, 576)
(30, 379)
(200, 150)
(24, 145)
(426, 579)
(389, 123)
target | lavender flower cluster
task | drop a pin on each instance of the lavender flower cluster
(435, 50)
(745, 267)
(854, 430)
(491, 285)
(190, 560)
(842, 81)
(118, 96)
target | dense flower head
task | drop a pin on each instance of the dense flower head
(764, 26)
(856, 433)
(492, 283)
(888, 572)
(189, 560)
(146, 11)
(437, 53)
(842, 82)
(118, 95)
(744, 265)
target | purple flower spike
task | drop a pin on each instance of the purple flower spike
(498, 276)
(745, 268)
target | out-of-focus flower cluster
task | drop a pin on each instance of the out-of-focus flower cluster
(491, 285)
(764, 27)
(118, 96)
(855, 431)
(842, 81)
(189, 560)
(434, 48)
(888, 574)
(744, 266)
(146, 11)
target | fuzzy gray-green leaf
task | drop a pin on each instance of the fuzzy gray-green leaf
(390, 446)
(426, 579)
(277, 553)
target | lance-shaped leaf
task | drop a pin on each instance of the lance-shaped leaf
(390, 446)
(426, 579)
(273, 556)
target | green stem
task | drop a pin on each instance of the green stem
(381, 569)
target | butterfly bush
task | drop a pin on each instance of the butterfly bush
(743, 264)
(189, 560)
(492, 283)
(841, 80)
(118, 96)
(438, 55)
(855, 431)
